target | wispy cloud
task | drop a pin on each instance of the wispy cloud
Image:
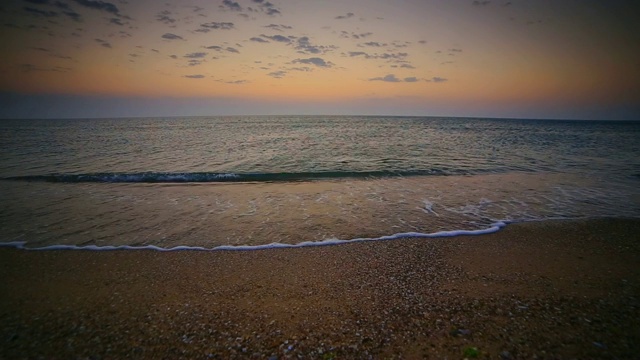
(437, 79)
(277, 27)
(386, 78)
(277, 74)
(304, 46)
(319, 62)
(170, 36)
(195, 76)
(99, 5)
(352, 35)
(278, 38)
(234, 82)
(346, 16)
(374, 44)
(394, 79)
(38, 12)
(230, 5)
(164, 17)
(391, 57)
(267, 7)
(117, 21)
(103, 43)
(206, 27)
(260, 40)
(223, 49)
(32, 68)
(196, 55)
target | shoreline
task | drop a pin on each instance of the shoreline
(558, 288)
(23, 245)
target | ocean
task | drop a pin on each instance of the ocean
(250, 182)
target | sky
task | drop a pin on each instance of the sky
(569, 59)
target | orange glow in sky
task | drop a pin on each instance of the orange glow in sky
(574, 59)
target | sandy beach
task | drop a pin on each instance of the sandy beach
(548, 290)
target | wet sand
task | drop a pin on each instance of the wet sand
(555, 289)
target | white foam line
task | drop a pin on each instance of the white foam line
(493, 228)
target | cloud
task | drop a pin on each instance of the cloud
(32, 68)
(99, 5)
(422, 42)
(267, 7)
(235, 82)
(221, 49)
(481, 3)
(196, 55)
(407, 66)
(116, 21)
(277, 74)
(66, 10)
(455, 50)
(257, 39)
(277, 27)
(390, 57)
(304, 46)
(103, 43)
(386, 78)
(303, 68)
(352, 35)
(170, 36)
(163, 17)
(394, 79)
(400, 44)
(39, 12)
(437, 79)
(195, 76)
(346, 16)
(206, 27)
(319, 62)
(72, 15)
(374, 44)
(278, 38)
(230, 5)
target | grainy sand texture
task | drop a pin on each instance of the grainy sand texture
(547, 290)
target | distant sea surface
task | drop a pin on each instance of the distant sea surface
(248, 182)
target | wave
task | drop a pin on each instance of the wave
(491, 229)
(213, 177)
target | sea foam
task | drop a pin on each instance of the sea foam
(275, 245)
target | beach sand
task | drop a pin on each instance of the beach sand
(554, 289)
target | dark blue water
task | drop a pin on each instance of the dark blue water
(256, 180)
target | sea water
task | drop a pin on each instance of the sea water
(265, 181)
